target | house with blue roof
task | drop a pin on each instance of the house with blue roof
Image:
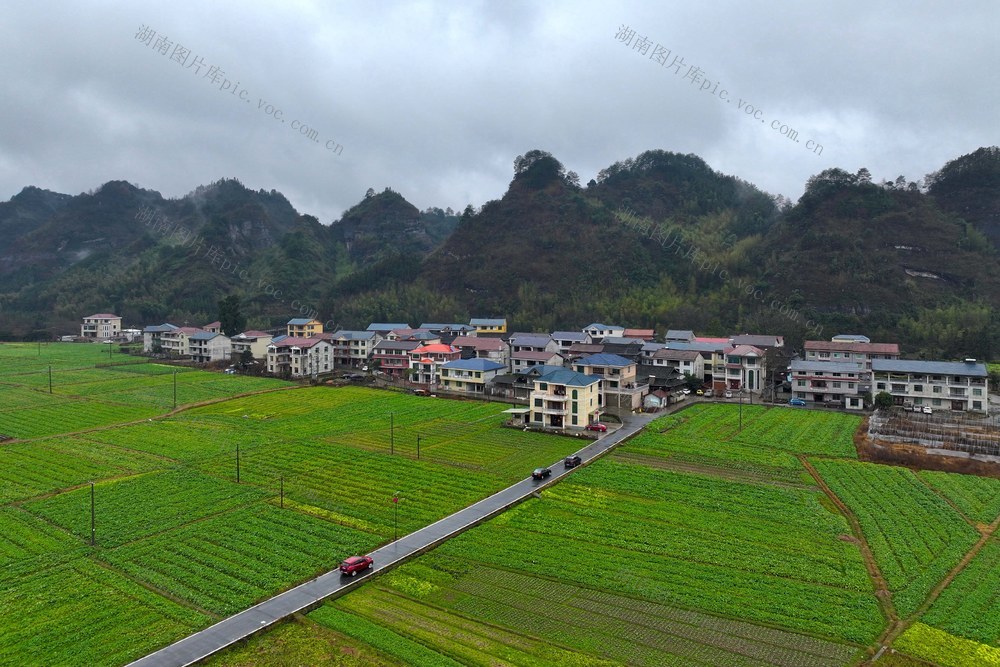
(152, 336)
(621, 389)
(207, 346)
(565, 400)
(598, 332)
(469, 376)
(937, 385)
(301, 327)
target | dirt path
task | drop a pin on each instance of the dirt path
(165, 415)
(882, 593)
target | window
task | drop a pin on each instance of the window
(880, 386)
(977, 392)
(574, 394)
(537, 416)
(977, 405)
(574, 411)
(573, 421)
(936, 401)
(937, 389)
(538, 402)
(850, 385)
(836, 385)
(543, 386)
(918, 387)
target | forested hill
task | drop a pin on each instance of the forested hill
(659, 240)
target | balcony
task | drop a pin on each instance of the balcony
(552, 398)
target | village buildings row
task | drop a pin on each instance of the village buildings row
(569, 378)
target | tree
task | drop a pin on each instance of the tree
(883, 399)
(231, 318)
(370, 193)
(246, 357)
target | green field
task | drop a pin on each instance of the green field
(179, 543)
(82, 392)
(705, 540)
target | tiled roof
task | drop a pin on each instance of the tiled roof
(474, 365)
(825, 366)
(757, 340)
(845, 346)
(603, 360)
(477, 343)
(533, 355)
(569, 378)
(968, 368)
(744, 351)
(103, 316)
(387, 326)
(488, 322)
(436, 348)
(299, 321)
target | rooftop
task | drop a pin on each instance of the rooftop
(474, 365)
(300, 322)
(848, 346)
(604, 359)
(969, 368)
(567, 377)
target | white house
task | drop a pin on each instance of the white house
(101, 326)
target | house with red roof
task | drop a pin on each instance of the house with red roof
(426, 362)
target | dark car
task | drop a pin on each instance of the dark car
(597, 426)
(798, 402)
(355, 564)
(541, 473)
(572, 461)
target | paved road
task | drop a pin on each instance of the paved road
(228, 631)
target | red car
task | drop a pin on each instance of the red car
(355, 564)
(597, 427)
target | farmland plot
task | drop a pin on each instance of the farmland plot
(977, 497)
(915, 536)
(970, 605)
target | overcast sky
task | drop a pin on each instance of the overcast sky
(436, 99)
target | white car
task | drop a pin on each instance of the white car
(728, 394)
(685, 391)
(927, 410)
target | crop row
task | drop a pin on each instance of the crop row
(68, 416)
(41, 466)
(977, 497)
(134, 507)
(80, 613)
(940, 648)
(915, 536)
(230, 561)
(825, 433)
(970, 605)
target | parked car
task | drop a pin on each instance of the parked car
(709, 393)
(728, 394)
(230, 371)
(572, 461)
(597, 426)
(685, 391)
(540, 473)
(355, 564)
(797, 402)
(700, 392)
(927, 410)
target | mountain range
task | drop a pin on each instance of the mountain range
(660, 241)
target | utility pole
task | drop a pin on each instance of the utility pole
(395, 516)
(741, 409)
(50, 379)
(392, 440)
(282, 481)
(92, 529)
(175, 390)
(418, 446)
(237, 463)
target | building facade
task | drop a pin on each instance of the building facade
(101, 326)
(841, 382)
(945, 385)
(565, 400)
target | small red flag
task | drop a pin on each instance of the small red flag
(395, 499)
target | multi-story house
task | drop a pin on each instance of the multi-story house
(599, 332)
(469, 375)
(744, 368)
(300, 327)
(290, 356)
(621, 388)
(687, 362)
(208, 346)
(392, 357)
(175, 341)
(565, 339)
(565, 400)
(760, 341)
(520, 385)
(352, 349)
(426, 362)
(520, 342)
(478, 347)
(527, 358)
(152, 337)
(678, 336)
(714, 359)
(645, 334)
(383, 328)
(449, 331)
(829, 381)
(213, 327)
(855, 349)
(254, 342)
(577, 350)
(948, 385)
(489, 326)
(101, 326)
